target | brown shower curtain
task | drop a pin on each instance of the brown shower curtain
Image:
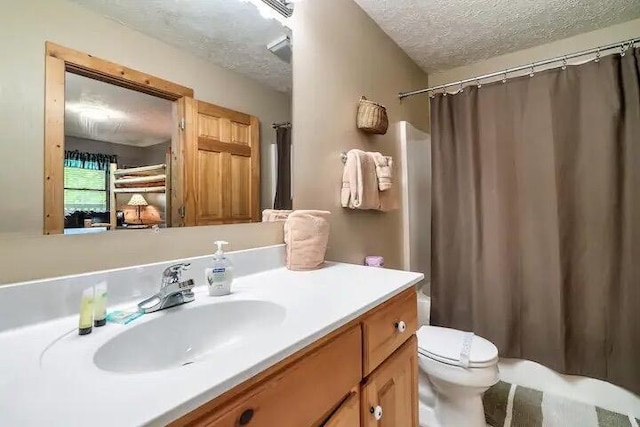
(536, 217)
(283, 178)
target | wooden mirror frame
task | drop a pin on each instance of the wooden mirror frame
(58, 60)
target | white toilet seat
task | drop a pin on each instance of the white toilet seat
(439, 356)
(445, 345)
(463, 377)
(456, 363)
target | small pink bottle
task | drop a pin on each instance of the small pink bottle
(374, 261)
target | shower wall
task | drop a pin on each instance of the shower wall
(415, 173)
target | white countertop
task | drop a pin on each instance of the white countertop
(80, 394)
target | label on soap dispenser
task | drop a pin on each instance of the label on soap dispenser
(217, 275)
(217, 281)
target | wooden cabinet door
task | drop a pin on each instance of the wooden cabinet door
(347, 414)
(221, 164)
(393, 388)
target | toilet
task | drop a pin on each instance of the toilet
(455, 369)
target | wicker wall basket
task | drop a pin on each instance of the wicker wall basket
(372, 117)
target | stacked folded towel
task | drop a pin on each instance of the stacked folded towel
(274, 215)
(306, 235)
(367, 182)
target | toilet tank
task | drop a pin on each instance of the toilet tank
(424, 308)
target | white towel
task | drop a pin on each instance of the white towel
(384, 171)
(360, 188)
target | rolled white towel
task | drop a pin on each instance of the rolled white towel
(384, 171)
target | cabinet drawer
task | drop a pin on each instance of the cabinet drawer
(381, 333)
(302, 393)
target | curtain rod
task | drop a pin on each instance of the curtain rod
(281, 125)
(623, 45)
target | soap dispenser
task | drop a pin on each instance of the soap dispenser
(220, 276)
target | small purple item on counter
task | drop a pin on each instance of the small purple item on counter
(374, 261)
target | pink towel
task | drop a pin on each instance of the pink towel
(274, 215)
(306, 235)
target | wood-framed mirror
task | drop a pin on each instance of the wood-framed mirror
(209, 175)
(227, 54)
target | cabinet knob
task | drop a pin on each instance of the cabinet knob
(245, 418)
(376, 412)
(401, 326)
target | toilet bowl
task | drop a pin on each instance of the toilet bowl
(455, 369)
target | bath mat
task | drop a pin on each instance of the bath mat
(511, 405)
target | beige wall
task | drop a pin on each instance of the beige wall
(27, 258)
(26, 25)
(339, 55)
(584, 41)
(24, 28)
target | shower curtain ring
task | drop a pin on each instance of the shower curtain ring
(532, 72)
(478, 83)
(623, 49)
(461, 88)
(431, 95)
(504, 77)
(564, 63)
(597, 56)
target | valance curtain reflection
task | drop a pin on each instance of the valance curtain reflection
(536, 217)
(78, 159)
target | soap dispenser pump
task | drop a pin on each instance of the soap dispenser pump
(219, 277)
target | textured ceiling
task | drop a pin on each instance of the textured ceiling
(230, 33)
(442, 34)
(104, 112)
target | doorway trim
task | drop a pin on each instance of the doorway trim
(58, 60)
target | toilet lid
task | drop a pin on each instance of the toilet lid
(445, 345)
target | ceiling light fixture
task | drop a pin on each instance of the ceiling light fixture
(93, 112)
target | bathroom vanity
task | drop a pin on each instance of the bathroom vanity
(365, 370)
(331, 347)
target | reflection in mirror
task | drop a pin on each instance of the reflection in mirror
(186, 122)
(117, 148)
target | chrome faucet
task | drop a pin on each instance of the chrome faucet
(173, 290)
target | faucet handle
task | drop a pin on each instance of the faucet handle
(172, 274)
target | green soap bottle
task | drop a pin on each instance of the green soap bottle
(86, 312)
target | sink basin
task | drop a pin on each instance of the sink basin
(187, 335)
